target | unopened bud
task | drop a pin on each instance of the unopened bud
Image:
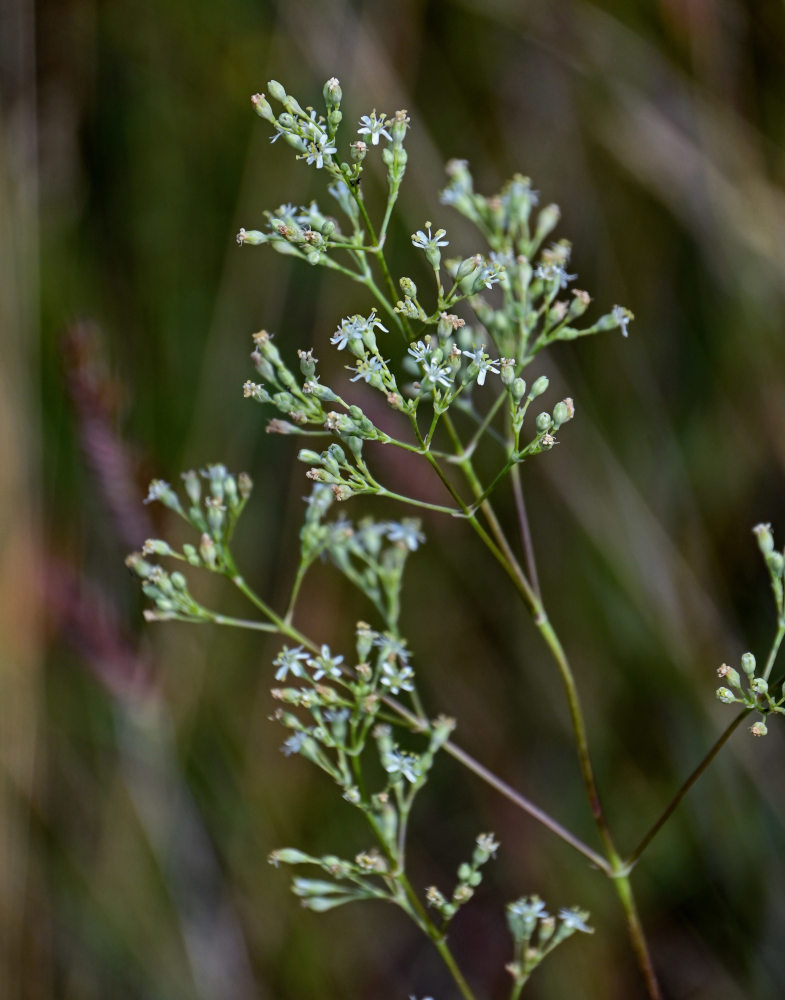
(539, 386)
(765, 538)
(276, 91)
(544, 421)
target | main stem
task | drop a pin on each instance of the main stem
(619, 872)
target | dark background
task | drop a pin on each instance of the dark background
(142, 787)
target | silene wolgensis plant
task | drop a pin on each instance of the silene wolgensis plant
(459, 387)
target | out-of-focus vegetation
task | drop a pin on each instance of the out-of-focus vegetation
(141, 784)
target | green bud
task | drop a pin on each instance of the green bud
(467, 267)
(765, 538)
(518, 389)
(748, 664)
(262, 107)
(276, 91)
(156, 547)
(579, 304)
(252, 237)
(309, 457)
(245, 485)
(726, 695)
(544, 421)
(307, 363)
(561, 414)
(190, 553)
(547, 221)
(732, 675)
(332, 93)
(336, 452)
(408, 287)
(289, 856)
(539, 386)
(140, 566)
(178, 581)
(759, 686)
(506, 370)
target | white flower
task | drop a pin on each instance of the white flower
(405, 764)
(437, 374)
(575, 919)
(366, 368)
(532, 908)
(623, 318)
(397, 678)
(319, 149)
(419, 351)
(293, 744)
(288, 661)
(554, 272)
(374, 127)
(406, 531)
(483, 363)
(423, 242)
(325, 664)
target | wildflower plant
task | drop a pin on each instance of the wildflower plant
(456, 365)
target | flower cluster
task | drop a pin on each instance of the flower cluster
(469, 877)
(536, 933)
(342, 729)
(450, 364)
(213, 515)
(755, 692)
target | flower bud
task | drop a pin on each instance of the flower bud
(562, 412)
(765, 538)
(547, 221)
(332, 93)
(276, 91)
(732, 675)
(518, 389)
(748, 664)
(579, 304)
(507, 370)
(726, 695)
(207, 551)
(408, 287)
(467, 267)
(539, 386)
(262, 107)
(307, 363)
(251, 236)
(544, 421)
(759, 686)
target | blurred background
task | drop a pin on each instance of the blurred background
(141, 785)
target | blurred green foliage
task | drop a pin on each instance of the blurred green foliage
(142, 785)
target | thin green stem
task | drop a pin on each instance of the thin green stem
(527, 806)
(437, 508)
(524, 587)
(243, 623)
(775, 648)
(637, 936)
(633, 858)
(525, 530)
